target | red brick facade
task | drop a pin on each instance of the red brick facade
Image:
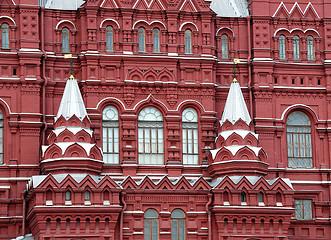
(281, 192)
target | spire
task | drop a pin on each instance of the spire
(235, 106)
(72, 101)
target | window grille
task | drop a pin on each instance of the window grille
(151, 225)
(150, 136)
(299, 145)
(190, 137)
(177, 225)
(303, 209)
(110, 132)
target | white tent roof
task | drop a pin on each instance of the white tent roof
(230, 8)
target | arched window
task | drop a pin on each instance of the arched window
(156, 40)
(65, 40)
(310, 48)
(188, 41)
(243, 198)
(141, 38)
(177, 225)
(1, 138)
(225, 46)
(109, 35)
(68, 195)
(5, 36)
(87, 195)
(296, 47)
(151, 225)
(190, 136)
(282, 47)
(260, 199)
(150, 136)
(299, 149)
(110, 134)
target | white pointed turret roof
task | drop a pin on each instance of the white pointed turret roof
(72, 101)
(235, 106)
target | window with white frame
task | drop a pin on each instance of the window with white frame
(5, 36)
(110, 134)
(190, 137)
(151, 227)
(156, 40)
(310, 48)
(282, 47)
(299, 144)
(178, 225)
(188, 41)
(150, 136)
(141, 39)
(303, 209)
(296, 47)
(109, 38)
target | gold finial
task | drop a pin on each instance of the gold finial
(71, 77)
(234, 80)
(235, 61)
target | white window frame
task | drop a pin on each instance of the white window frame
(110, 134)
(190, 137)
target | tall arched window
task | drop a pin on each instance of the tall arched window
(188, 41)
(109, 36)
(299, 146)
(190, 136)
(110, 134)
(4, 35)
(177, 225)
(1, 138)
(68, 196)
(225, 46)
(141, 38)
(156, 40)
(65, 40)
(282, 47)
(151, 225)
(310, 48)
(150, 136)
(296, 47)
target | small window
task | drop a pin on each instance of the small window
(296, 47)
(1, 137)
(109, 40)
(243, 198)
(110, 135)
(87, 196)
(156, 40)
(310, 48)
(282, 48)
(141, 38)
(299, 144)
(5, 36)
(188, 41)
(225, 46)
(151, 225)
(150, 137)
(303, 209)
(65, 40)
(68, 195)
(260, 199)
(178, 225)
(190, 136)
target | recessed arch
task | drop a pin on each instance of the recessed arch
(65, 21)
(109, 20)
(11, 19)
(188, 23)
(225, 29)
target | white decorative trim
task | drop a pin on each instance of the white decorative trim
(9, 18)
(297, 105)
(224, 28)
(296, 29)
(109, 19)
(181, 7)
(196, 28)
(156, 21)
(113, 2)
(148, 4)
(296, 4)
(62, 21)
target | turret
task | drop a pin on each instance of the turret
(71, 145)
(237, 146)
